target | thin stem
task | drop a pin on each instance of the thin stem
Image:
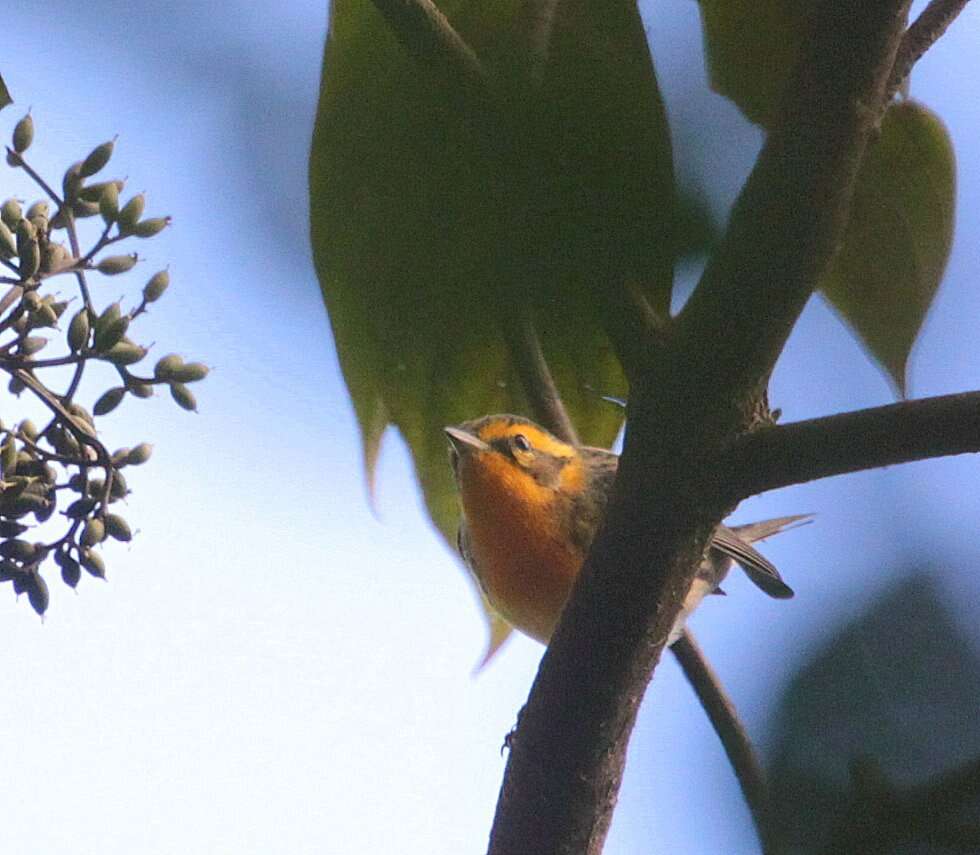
(77, 252)
(83, 433)
(734, 738)
(9, 364)
(427, 34)
(49, 455)
(23, 164)
(103, 241)
(537, 24)
(794, 453)
(638, 333)
(539, 386)
(76, 378)
(925, 31)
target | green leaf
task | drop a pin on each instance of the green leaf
(430, 224)
(898, 239)
(888, 700)
(752, 49)
(5, 99)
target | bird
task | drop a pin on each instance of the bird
(530, 507)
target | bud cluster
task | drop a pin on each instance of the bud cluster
(62, 466)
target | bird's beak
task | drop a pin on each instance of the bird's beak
(464, 442)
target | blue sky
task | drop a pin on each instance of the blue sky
(272, 667)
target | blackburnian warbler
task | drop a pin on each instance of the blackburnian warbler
(531, 505)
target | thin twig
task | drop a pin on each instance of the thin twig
(924, 32)
(8, 363)
(638, 333)
(734, 738)
(77, 252)
(82, 432)
(18, 160)
(539, 386)
(797, 452)
(536, 25)
(427, 34)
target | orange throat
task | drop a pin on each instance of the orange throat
(520, 554)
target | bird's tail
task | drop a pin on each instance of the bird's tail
(751, 532)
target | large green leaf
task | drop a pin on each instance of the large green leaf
(899, 236)
(431, 224)
(751, 48)
(901, 226)
(891, 697)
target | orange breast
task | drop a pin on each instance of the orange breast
(524, 562)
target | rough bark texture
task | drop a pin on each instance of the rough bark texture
(566, 761)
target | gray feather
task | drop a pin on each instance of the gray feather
(737, 544)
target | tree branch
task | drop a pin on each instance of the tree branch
(794, 453)
(566, 761)
(539, 386)
(925, 31)
(638, 333)
(785, 226)
(536, 25)
(734, 738)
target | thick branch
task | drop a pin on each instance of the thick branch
(566, 761)
(786, 224)
(794, 453)
(922, 35)
(734, 738)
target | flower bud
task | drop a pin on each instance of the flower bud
(109, 202)
(11, 213)
(93, 562)
(153, 290)
(97, 158)
(109, 400)
(130, 214)
(149, 228)
(115, 264)
(23, 134)
(166, 366)
(189, 372)
(139, 454)
(118, 528)
(183, 396)
(93, 532)
(78, 330)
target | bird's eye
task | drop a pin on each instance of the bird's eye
(521, 442)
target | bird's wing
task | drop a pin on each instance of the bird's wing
(758, 568)
(463, 545)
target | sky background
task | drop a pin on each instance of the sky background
(273, 667)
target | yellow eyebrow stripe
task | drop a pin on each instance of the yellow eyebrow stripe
(540, 440)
